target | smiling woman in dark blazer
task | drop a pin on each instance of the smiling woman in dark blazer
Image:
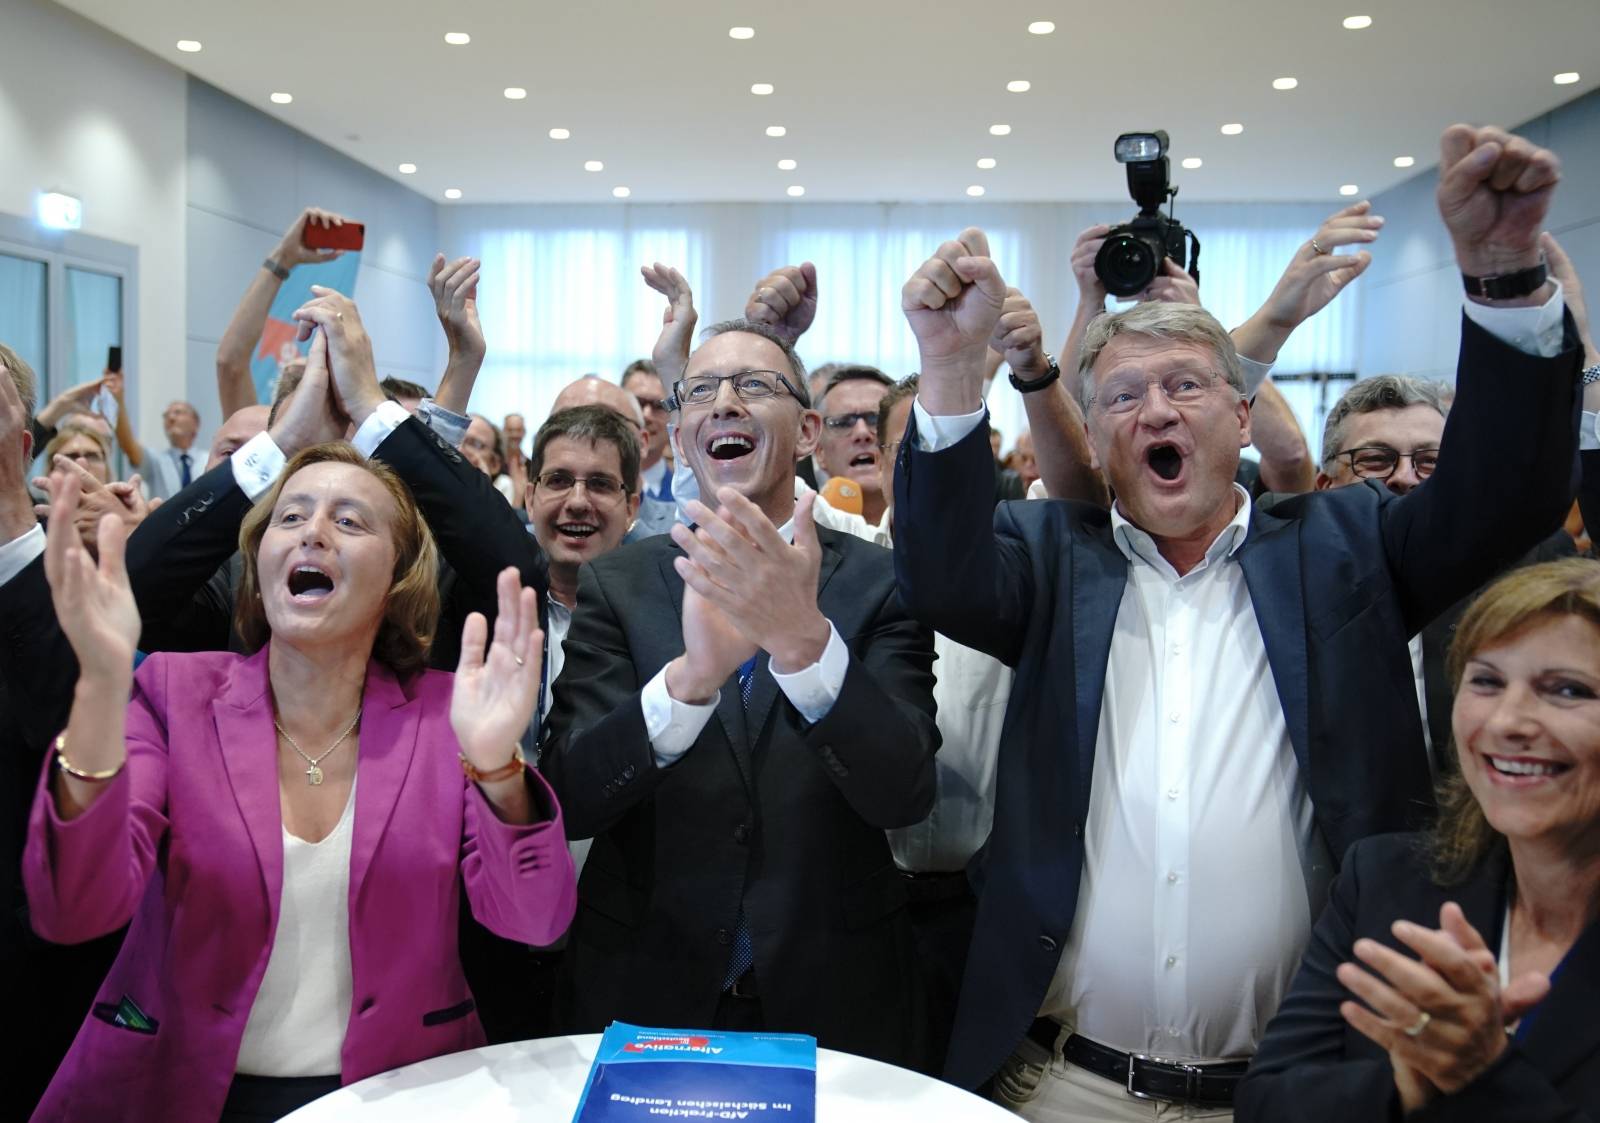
(1491, 1014)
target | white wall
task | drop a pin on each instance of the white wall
(86, 112)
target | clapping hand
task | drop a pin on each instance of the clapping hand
(349, 354)
(496, 691)
(1442, 1019)
(1494, 192)
(455, 299)
(671, 352)
(96, 500)
(785, 300)
(94, 603)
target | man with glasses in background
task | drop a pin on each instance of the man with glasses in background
(640, 380)
(1387, 430)
(734, 756)
(848, 448)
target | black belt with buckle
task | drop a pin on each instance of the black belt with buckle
(1207, 1085)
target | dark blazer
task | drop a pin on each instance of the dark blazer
(175, 555)
(764, 809)
(1313, 1067)
(54, 984)
(1339, 581)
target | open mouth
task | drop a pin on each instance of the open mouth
(308, 583)
(730, 446)
(864, 460)
(577, 532)
(1524, 768)
(1165, 461)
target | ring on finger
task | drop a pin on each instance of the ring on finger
(1316, 248)
(1415, 1028)
(521, 662)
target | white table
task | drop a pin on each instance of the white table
(540, 1081)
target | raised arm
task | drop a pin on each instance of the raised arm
(785, 300)
(671, 351)
(455, 298)
(131, 448)
(235, 388)
(1286, 462)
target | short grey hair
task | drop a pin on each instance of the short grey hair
(26, 381)
(1384, 391)
(751, 327)
(1180, 323)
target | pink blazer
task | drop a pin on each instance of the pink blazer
(187, 844)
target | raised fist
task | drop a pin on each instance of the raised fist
(1494, 192)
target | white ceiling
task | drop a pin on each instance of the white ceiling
(884, 100)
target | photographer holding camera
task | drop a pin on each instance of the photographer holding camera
(1314, 276)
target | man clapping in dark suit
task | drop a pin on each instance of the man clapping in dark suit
(744, 708)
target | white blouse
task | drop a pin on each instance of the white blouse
(297, 1024)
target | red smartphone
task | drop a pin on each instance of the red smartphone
(350, 236)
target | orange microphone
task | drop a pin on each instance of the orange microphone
(842, 495)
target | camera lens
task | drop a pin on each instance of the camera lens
(1126, 264)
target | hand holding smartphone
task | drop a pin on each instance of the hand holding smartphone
(349, 236)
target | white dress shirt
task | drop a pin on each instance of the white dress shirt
(1202, 864)
(297, 1023)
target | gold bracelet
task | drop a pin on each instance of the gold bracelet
(71, 770)
(506, 771)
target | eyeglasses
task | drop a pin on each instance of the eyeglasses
(656, 404)
(890, 447)
(94, 457)
(1128, 393)
(1379, 462)
(843, 421)
(602, 489)
(749, 385)
(476, 444)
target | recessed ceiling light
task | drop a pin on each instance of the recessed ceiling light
(1285, 83)
(975, 190)
(281, 98)
(620, 192)
(1233, 129)
(593, 166)
(408, 169)
(1020, 86)
(1567, 77)
(986, 163)
(560, 134)
(795, 191)
(452, 192)
(776, 130)
(1357, 23)
(999, 130)
(1041, 27)
(1404, 161)
(761, 89)
(741, 33)
(515, 93)
(457, 38)
(189, 46)
(1192, 162)
(1350, 189)
(787, 165)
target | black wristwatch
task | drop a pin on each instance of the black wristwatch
(278, 271)
(1507, 286)
(1028, 386)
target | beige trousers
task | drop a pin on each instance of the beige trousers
(1042, 1086)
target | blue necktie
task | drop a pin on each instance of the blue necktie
(743, 956)
(183, 459)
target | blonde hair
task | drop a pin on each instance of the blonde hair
(1462, 837)
(72, 427)
(411, 608)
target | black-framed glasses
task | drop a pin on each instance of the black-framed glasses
(1379, 462)
(702, 389)
(842, 421)
(600, 488)
(657, 404)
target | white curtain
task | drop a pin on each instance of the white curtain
(561, 294)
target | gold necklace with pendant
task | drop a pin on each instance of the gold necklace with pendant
(313, 769)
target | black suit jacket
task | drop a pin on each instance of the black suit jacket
(763, 810)
(1339, 581)
(182, 576)
(1312, 1067)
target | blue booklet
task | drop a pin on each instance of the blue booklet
(659, 1074)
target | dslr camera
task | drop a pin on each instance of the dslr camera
(1131, 257)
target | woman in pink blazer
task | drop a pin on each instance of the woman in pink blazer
(287, 832)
